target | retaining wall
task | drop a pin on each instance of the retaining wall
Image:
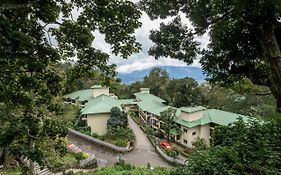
(99, 142)
(170, 159)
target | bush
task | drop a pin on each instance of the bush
(80, 156)
(118, 118)
(85, 130)
(119, 136)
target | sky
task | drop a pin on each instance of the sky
(142, 60)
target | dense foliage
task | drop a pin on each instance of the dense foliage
(168, 117)
(244, 38)
(117, 118)
(118, 131)
(35, 35)
(242, 148)
(125, 170)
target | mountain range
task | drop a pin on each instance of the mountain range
(173, 71)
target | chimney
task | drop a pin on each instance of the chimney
(144, 90)
(98, 90)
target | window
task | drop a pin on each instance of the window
(184, 141)
(185, 130)
(194, 133)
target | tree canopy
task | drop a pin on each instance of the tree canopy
(117, 118)
(244, 38)
(36, 35)
(156, 80)
(168, 117)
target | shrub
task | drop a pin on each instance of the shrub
(118, 118)
(85, 130)
(80, 156)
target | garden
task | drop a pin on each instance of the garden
(118, 131)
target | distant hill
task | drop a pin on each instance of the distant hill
(174, 72)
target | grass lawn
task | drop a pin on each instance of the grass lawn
(119, 170)
(58, 163)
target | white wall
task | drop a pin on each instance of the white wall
(98, 123)
(200, 132)
(191, 116)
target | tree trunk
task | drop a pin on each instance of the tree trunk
(3, 156)
(272, 55)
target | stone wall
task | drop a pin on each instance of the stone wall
(100, 142)
(170, 159)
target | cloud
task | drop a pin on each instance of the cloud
(142, 60)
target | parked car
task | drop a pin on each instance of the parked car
(166, 145)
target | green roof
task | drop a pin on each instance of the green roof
(222, 117)
(148, 97)
(152, 106)
(192, 109)
(101, 104)
(81, 95)
(189, 124)
(213, 116)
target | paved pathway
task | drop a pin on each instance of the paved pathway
(143, 153)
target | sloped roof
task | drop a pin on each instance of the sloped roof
(213, 116)
(100, 104)
(222, 117)
(148, 97)
(81, 95)
(152, 106)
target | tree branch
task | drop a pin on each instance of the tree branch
(213, 22)
(49, 36)
(267, 93)
(13, 6)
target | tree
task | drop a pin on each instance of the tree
(241, 148)
(156, 81)
(245, 38)
(183, 92)
(243, 98)
(35, 35)
(117, 118)
(168, 117)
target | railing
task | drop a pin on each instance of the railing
(100, 142)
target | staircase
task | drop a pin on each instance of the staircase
(39, 171)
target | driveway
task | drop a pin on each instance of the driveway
(143, 153)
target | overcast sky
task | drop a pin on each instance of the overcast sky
(142, 60)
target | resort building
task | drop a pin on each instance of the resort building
(97, 103)
(193, 122)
